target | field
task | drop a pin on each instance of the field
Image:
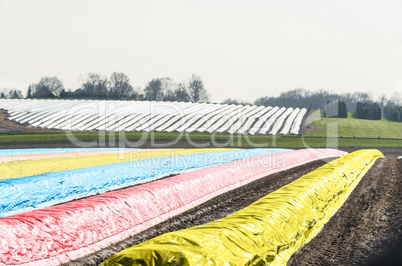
(349, 238)
(390, 137)
(147, 116)
(185, 188)
(233, 191)
(192, 133)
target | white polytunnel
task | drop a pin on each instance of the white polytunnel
(147, 116)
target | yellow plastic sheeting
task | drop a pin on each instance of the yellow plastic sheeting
(31, 168)
(29, 157)
(267, 232)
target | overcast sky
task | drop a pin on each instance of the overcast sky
(241, 49)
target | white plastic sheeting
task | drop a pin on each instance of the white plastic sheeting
(298, 121)
(280, 121)
(146, 116)
(289, 122)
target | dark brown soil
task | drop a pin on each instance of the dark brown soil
(213, 209)
(367, 226)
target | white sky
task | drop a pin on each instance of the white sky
(241, 49)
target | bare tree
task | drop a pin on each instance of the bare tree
(153, 90)
(29, 93)
(15, 94)
(95, 86)
(160, 89)
(396, 98)
(47, 87)
(234, 101)
(10, 94)
(119, 86)
(168, 89)
(4, 93)
(231, 101)
(169, 96)
(137, 94)
(175, 92)
(196, 89)
(31, 90)
(362, 96)
(181, 93)
(382, 102)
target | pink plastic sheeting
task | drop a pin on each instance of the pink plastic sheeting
(7, 159)
(69, 231)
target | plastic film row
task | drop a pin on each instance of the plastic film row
(267, 232)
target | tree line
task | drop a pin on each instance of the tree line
(11, 94)
(117, 87)
(303, 98)
(393, 112)
(391, 107)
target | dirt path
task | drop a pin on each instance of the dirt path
(367, 226)
(214, 209)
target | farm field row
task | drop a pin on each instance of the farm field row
(73, 178)
(77, 202)
(364, 229)
(148, 116)
(31, 207)
(268, 231)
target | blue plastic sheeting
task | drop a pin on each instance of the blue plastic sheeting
(35, 192)
(15, 152)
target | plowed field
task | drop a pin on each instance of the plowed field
(367, 226)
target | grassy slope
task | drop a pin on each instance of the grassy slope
(360, 128)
